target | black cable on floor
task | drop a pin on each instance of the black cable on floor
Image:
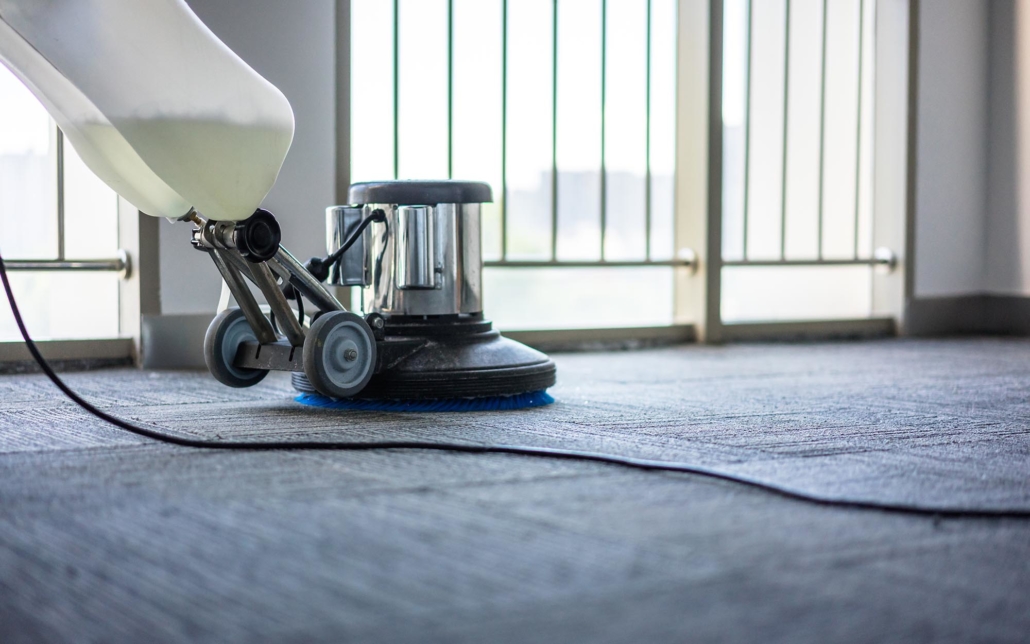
(471, 448)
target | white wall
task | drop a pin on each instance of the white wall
(1008, 229)
(973, 184)
(952, 148)
(292, 44)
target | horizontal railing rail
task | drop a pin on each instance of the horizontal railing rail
(119, 264)
(887, 262)
(545, 263)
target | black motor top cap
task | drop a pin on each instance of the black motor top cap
(419, 193)
(257, 237)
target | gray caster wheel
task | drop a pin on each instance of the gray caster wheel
(339, 354)
(227, 332)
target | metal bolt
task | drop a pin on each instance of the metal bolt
(378, 323)
(350, 355)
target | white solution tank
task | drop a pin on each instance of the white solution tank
(154, 103)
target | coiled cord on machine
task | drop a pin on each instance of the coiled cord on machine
(471, 448)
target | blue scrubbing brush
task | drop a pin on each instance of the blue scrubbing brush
(490, 403)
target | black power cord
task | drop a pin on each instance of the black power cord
(322, 267)
(376, 215)
(544, 452)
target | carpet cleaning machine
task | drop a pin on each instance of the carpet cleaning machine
(175, 122)
(414, 248)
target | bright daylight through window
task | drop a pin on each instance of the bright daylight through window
(567, 109)
(798, 134)
(51, 207)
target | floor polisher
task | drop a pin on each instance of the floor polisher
(422, 342)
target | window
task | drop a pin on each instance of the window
(52, 208)
(798, 151)
(567, 108)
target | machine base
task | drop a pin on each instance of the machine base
(438, 359)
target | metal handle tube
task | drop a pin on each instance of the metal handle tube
(244, 298)
(284, 315)
(286, 267)
(303, 281)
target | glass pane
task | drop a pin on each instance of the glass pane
(371, 105)
(765, 155)
(63, 306)
(760, 294)
(28, 173)
(734, 92)
(518, 298)
(803, 119)
(625, 117)
(477, 107)
(663, 127)
(579, 129)
(840, 142)
(90, 211)
(528, 136)
(422, 136)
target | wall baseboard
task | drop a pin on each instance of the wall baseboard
(809, 331)
(67, 355)
(174, 341)
(967, 315)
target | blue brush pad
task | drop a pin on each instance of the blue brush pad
(493, 403)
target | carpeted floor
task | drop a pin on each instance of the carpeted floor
(107, 537)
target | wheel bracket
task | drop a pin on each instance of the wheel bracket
(278, 356)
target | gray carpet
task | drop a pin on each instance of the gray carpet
(107, 537)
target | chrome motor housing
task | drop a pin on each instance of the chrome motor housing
(425, 259)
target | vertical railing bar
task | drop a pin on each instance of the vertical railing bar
(747, 123)
(604, 92)
(872, 133)
(450, 89)
(647, 142)
(60, 193)
(822, 132)
(858, 128)
(504, 130)
(554, 130)
(396, 85)
(786, 107)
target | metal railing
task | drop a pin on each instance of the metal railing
(879, 257)
(648, 259)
